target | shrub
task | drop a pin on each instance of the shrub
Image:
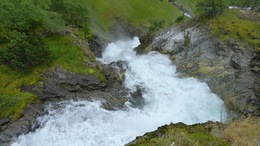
(156, 25)
(211, 8)
(24, 52)
(180, 18)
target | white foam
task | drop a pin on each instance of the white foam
(167, 99)
(188, 15)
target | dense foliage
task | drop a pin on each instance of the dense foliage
(74, 13)
(210, 8)
(24, 52)
(24, 23)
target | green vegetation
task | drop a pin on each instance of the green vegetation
(70, 56)
(138, 13)
(24, 52)
(31, 42)
(189, 5)
(253, 4)
(210, 9)
(236, 24)
(74, 13)
(243, 132)
(180, 18)
(179, 135)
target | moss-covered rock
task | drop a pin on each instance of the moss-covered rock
(244, 132)
(182, 135)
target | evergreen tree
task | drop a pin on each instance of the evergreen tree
(211, 8)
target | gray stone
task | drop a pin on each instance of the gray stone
(23, 125)
(229, 69)
(4, 121)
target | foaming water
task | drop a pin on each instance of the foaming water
(167, 99)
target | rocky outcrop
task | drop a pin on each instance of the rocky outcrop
(181, 7)
(60, 85)
(230, 68)
(64, 85)
(9, 131)
(96, 44)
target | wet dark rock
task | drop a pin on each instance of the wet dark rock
(21, 126)
(60, 85)
(137, 100)
(4, 121)
(96, 45)
(123, 30)
(60, 82)
(235, 61)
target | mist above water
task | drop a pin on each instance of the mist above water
(166, 99)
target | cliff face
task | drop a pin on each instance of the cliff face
(230, 69)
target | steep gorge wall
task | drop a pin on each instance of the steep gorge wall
(230, 69)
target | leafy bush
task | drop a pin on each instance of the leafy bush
(24, 52)
(180, 18)
(73, 12)
(211, 8)
(156, 25)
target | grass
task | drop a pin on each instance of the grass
(12, 100)
(244, 132)
(234, 24)
(65, 52)
(138, 13)
(189, 4)
(180, 135)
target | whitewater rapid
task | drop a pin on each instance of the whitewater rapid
(167, 98)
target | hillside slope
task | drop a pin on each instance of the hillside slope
(138, 13)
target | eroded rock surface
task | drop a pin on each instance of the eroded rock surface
(60, 85)
(230, 68)
(9, 131)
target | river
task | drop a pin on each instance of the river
(167, 98)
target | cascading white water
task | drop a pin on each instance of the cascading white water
(167, 99)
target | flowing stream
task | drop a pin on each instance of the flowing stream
(166, 98)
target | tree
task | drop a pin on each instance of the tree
(73, 12)
(211, 8)
(24, 52)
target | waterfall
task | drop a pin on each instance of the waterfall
(166, 99)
